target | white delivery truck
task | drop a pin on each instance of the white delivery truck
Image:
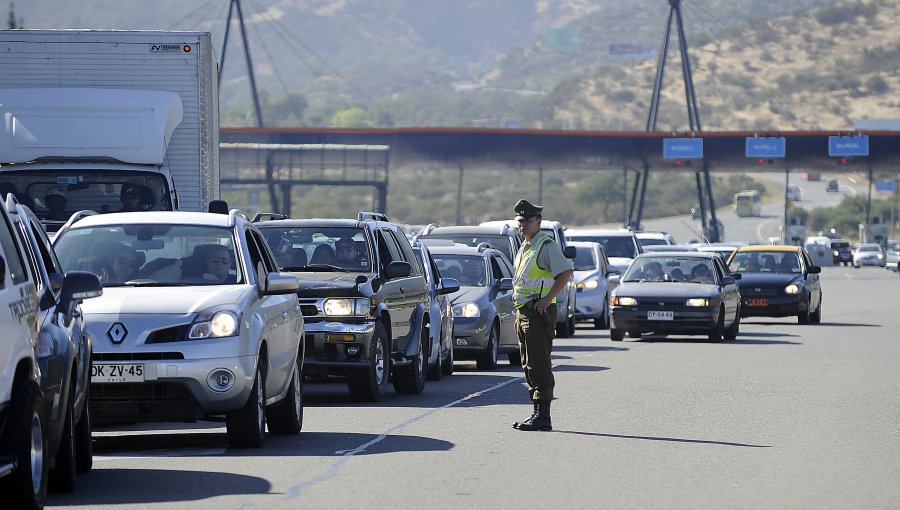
(108, 120)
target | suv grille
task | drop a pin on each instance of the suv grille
(136, 356)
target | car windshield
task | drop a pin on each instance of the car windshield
(585, 259)
(319, 248)
(652, 241)
(870, 247)
(468, 269)
(616, 246)
(670, 269)
(765, 262)
(152, 254)
(498, 242)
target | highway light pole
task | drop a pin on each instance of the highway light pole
(240, 16)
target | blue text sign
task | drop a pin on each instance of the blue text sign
(766, 147)
(683, 148)
(885, 185)
(848, 146)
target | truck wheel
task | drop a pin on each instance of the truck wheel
(410, 379)
(286, 417)
(246, 427)
(370, 383)
(62, 476)
(447, 364)
(84, 445)
(25, 437)
(487, 360)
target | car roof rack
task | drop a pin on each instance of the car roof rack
(484, 246)
(78, 216)
(266, 216)
(367, 215)
(234, 214)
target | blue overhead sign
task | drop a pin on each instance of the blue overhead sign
(683, 148)
(766, 147)
(848, 146)
(885, 185)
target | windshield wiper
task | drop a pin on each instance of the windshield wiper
(320, 267)
(146, 283)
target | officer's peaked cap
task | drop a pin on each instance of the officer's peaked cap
(525, 209)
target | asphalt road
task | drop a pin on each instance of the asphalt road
(786, 416)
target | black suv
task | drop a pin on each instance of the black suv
(841, 252)
(363, 297)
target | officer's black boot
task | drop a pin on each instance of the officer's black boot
(540, 420)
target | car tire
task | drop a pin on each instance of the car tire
(732, 332)
(410, 379)
(515, 358)
(715, 334)
(63, 476)
(634, 334)
(488, 359)
(571, 325)
(447, 364)
(616, 335)
(246, 427)
(804, 317)
(602, 322)
(286, 417)
(562, 329)
(25, 436)
(84, 444)
(370, 383)
(816, 316)
(434, 371)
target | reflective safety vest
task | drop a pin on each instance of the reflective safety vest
(531, 282)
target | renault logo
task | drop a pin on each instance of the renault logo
(117, 333)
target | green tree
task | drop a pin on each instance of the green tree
(351, 117)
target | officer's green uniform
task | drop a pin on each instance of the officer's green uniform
(537, 262)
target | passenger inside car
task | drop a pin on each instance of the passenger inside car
(323, 254)
(701, 273)
(676, 275)
(652, 271)
(473, 276)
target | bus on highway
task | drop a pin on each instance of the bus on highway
(746, 203)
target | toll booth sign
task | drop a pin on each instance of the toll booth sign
(848, 146)
(682, 148)
(765, 147)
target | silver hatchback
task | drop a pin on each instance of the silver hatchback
(195, 321)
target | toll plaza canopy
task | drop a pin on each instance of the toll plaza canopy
(558, 149)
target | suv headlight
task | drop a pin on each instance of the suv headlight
(792, 289)
(217, 324)
(345, 307)
(468, 310)
(699, 302)
(589, 284)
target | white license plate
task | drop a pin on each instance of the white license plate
(660, 316)
(117, 372)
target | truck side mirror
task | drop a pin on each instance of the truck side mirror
(569, 252)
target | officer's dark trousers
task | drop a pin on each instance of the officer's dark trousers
(535, 344)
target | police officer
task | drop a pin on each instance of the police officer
(542, 272)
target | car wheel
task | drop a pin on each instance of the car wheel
(84, 445)
(488, 359)
(732, 332)
(562, 329)
(616, 335)
(286, 417)
(410, 379)
(571, 325)
(515, 359)
(246, 427)
(434, 371)
(715, 334)
(370, 383)
(634, 334)
(602, 322)
(816, 317)
(804, 316)
(25, 436)
(62, 476)
(447, 364)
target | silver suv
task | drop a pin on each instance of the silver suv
(195, 322)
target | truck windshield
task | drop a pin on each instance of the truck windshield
(54, 195)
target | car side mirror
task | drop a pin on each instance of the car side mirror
(448, 286)
(728, 280)
(507, 283)
(614, 278)
(280, 283)
(569, 252)
(397, 269)
(814, 269)
(78, 285)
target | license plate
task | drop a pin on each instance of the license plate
(117, 372)
(660, 316)
(757, 301)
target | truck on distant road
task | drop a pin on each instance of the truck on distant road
(91, 116)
